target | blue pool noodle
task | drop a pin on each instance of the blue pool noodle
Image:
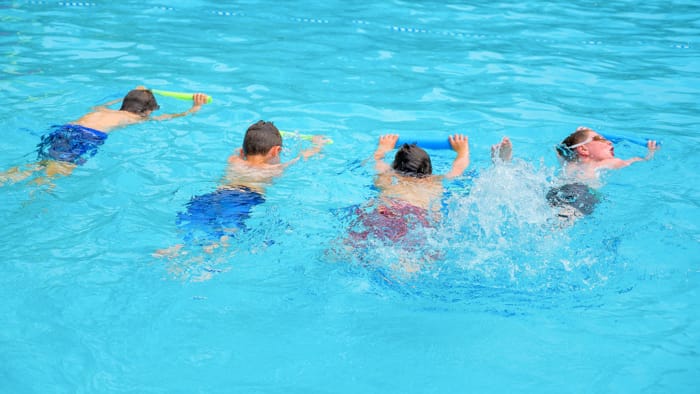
(444, 143)
(425, 143)
(637, 141)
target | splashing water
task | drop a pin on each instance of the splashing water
(504, 234)
(497, 237)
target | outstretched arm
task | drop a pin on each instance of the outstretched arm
(460, 144)
(198, 99)
(387, 142)
(652, 147)
(318, 141)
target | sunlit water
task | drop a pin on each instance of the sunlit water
(499, 297)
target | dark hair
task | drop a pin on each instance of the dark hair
(139, 101)
(260, 138)
(411, 160)
(578, 136)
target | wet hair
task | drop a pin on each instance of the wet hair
(413, 161)
(574, 138)
(260, 138)
(138, 101)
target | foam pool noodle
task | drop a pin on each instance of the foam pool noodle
(177, 95)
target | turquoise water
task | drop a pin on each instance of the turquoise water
(513, 304)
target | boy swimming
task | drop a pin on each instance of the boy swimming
(70, 145)
(409, 193)
(211, 219)
(408, 203)
(584, 154)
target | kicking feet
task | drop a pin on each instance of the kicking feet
(502, 151)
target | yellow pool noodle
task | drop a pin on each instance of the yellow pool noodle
(177, 95)
(307, 137)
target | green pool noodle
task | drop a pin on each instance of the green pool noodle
(177, 95)
(302, 136)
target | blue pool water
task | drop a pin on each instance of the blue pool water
(511, 303)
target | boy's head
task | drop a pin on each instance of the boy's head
(567, 148)
(260, 138)
(140, 102)
(413, 161)
(585, 143)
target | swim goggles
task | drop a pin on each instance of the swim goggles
(591, 139)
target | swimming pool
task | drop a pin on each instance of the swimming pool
(513, 305)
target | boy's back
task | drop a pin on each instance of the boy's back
(410, 177)
(71, 144)
(212, 218)
(241, 172)
(421, 192)
(105, 119)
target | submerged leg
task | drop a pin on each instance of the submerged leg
(54, 168)
(170, 252)
(15, 175)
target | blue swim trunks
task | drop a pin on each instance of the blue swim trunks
(70, 143)
(219, 213)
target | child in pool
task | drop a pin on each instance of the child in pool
(409, 200)
(220, 214)
(409, 178)
(409, 193)
(584, 154)
(70, 145)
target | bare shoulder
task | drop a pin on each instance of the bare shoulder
(242, 172)
(106, 119)
(235, 159)
(237, 163)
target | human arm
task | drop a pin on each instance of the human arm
(387, 142)
(615, 163)
(317, 144)
(460, 144)
(652, 147)
(198, 99)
